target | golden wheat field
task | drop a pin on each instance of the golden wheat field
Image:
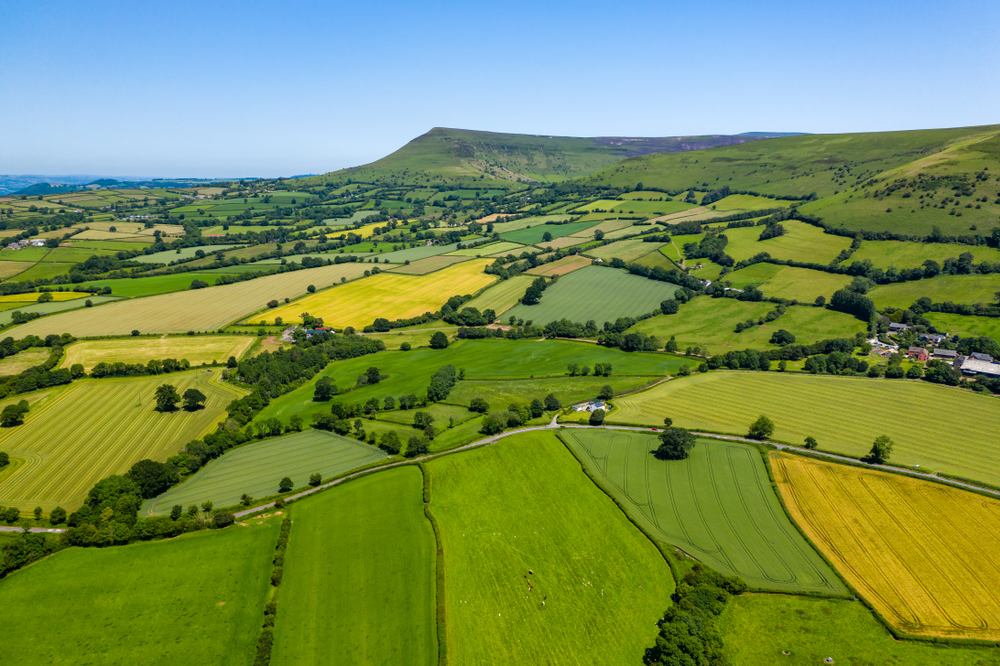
(924, 554)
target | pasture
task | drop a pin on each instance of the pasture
(560, 266)
(533, 235)
(155, 602)
(922, 553)
(523, 505)
(717, 506)
(256, 468)
(900, 254)
(93, 428)
(607, 227)
(626, 250)
(965, 326)
(154, 284)
(844, 414)
(51, 307)
(799, 284)
(954, 288)
(359, 587)
(200, 309)
(502, 295)
(801, 242)
(560, 243)
(168, 256)
(593, 292)
(21, 361)
(386, 295)
(196, 349)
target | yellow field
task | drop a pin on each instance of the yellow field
(386, 295)
(196, 349)
(924, 554)
(33, 297)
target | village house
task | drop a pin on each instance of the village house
(898, 328)
(932, 338)
(945, 354)
(917, 353)
(591, 406)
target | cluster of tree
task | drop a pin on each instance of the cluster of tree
(25, 549)
(600, 370)
(153, 367)
(441, 384)
(712, 246)
(766, 319)
(835, 363)
(517, 415)
(924, 304)
(167, 398)
(265, 641)
(753, 359)
(471, 317)
(533, 294)
(853, 302)
(439, 340)
(12, 415)
(40, 376)
(773, 230)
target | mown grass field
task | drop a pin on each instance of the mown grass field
(366, 595)
(844, 414)
(23, 360)
(196, 349)
(900, 254)
(532, 235)
(256, 468)
(428, 265)
(786, 630)
(502, 295)
(800, 284)
(922, 553)
(601, 294)
(488, 249)
(801, 242)
(955, 288)
(155, 602)
(386, 295)
(560, 266)
(717, 506)
(199, 310)
(91, 429)
(626, 250)
(523, 505)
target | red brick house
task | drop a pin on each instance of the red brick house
(917, 353)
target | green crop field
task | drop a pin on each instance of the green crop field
(94, 428)
(626, 250)
(900, 254)
(801, 242)
(954, 288)
(717, 506)
(489, 249)
(606, 227)
(531, 235)
(521, 505)
(561, 266)
(197, 350)
(799, 284)
(200, 309)
(153, 285)
(256, 469)
(428, 265)
(366, 596)
(502, 295)
(415, 253)
(155, 602)
(53, 307)
(601, 294)
(785, 630)
(844, 414)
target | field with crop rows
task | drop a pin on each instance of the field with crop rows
(954, 288)
(256, 468)
(789, 282)
(502, 295)
(366, 596)
(523, 505)
(601, 294)
(489, 249)
(531, 235)
(428, 265)
(196, 349)
(844, 414)
(801, 242)
(717, 506)
(922, 553)
(155, 602)
(386, 295)
(94, 428)
(626, 250)
(560, 266)
(200, 309)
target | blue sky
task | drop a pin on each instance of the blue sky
(282, 88)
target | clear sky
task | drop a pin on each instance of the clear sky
(253, 88)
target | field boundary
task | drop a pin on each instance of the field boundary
(441, 615)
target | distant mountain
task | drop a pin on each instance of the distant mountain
(15, 183)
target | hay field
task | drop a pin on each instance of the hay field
(502, 295)
(9, 269)
(23, 360)
(486, 250)
(200, 310)
(534, 235)
(800, 284)
(386, 295)
(626, 250)
(428, 265)
(196, 349)
(94, 428)
(955, 288)
(359, 587)
(941, 429)
(525, 504)
(923, 554)
(717, 506)
(560, 266)
(560, 243)
(50, 308)
(606, 227)
(801, 242)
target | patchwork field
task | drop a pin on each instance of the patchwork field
(91, 429)
(884, 254)
(844, 414)
(23, 360)
(801, 242)
(347, 596)
(800, 284)
(560, 266)
(428, 265)
(717, 506)
(257, 468)
(196, 349)
(922, 553)
(524, 505)
(965, 326)
(168, 256)
(386, 295)
(155, 602)
(502, 295)
(50, 308)
(158, 284)
(626, 250)
(601, 294)
(532, 235)
(489, 249)
(57, 296)
(560, 243)
(955, 288)
(200, 309)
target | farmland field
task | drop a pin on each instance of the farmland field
(844, 414)
(601, 294)
(955, 288)
(884, 254)
(606, 227)
(91, 429)
(155, 284)
(9, 269)
(535, 234)
(50, 308)
(167, 256)
(428, 265)
(560, 266)
(348, 596)
(199, 310)
(32, 297)
(717, 506)
(486, 250)
(789, 282)
(626, 250)
(385, 295)
(922, 553)
(257, 467)
(23, 360)
(965, 325)
(801, 242)
(524, 504)
(154, 602)
(502, 295)
(560, 243)
(196, 349)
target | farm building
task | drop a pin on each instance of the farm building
(946, 354)
(917, 353)
(974, 366)
(932, 338)
(591, 406)
(897, 328)
(979, 356)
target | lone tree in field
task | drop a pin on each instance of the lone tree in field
(667, 421)
(194, 400)
(597, 417)
(762, 428)
(325, 389)
(881, 449)
(675, 444)
(439, 340)
(315, 479)
(285, 485)
(167, 398)
(811, 442)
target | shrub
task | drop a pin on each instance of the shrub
(223, 519)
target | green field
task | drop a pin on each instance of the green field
(154, 602)
(521, 505)
(257, 467)
(626, 250)
(21, 361)
(758, 629)
(90, 429)
(798, 284)
(489, 249)
(502, 295)
(844, 414)
(569, 390)
(601, 294)
(801, 242)
(415, 253)
(150, 286)
(884, 254)
(532, 235)
(965, 326)
(359, 582)
(195, 349)
(717, 506)
(954, 288)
